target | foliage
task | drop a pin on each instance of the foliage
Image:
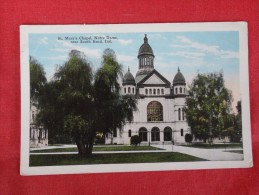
(188, 138)
(236, 133)
(80, 105)
(208, 105)
(135, 140)
(37, 78)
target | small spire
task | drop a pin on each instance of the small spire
(128, 69)
(145, 38)
(178, 69)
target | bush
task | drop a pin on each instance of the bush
(188, 138)
(135, 140)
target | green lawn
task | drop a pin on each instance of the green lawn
(74, 159)
(214, 146)
(99, 148)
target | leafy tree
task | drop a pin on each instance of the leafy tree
(82, 105)
(208, 105)
(135, 140)
(188, 138)
(236, 133)
(37, 78)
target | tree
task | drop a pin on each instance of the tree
(135, 140)
(236, 133)
(83, 105)
(188, 138)
(37, 78)
(208, 105)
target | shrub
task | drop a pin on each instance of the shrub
(135, 140)
(188, 138)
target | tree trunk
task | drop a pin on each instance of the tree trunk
(81, 147)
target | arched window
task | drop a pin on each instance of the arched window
(184, 90)
(125, 90)
(167, 134)
(129, 133)
(133, 90)
(162, 91)
(155, 134)
(150, 91)
(179, 114)
(181, 132)
(143, 134)
(129, 90)
(181, 90)
(176, 91)
(154, 91)
(154, 111)
(146, 91)
(158, 91)
(182, 114)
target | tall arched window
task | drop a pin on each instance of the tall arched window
(125, 90)
(158, 91)
(181, 90)
(162, 91)
(179, 114)
(146, 91)
(129, 91)
(167, 134)
(154, 111)
(181, 132)
(182, 114)
(176, 91)
(150, 91)
(154, 91)
(133, 90)
(155, 134)
(129, 133)
(143, 134)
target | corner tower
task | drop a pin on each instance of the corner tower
(146, 60)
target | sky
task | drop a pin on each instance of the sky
(193, 52)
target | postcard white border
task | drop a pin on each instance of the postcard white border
(241, 27)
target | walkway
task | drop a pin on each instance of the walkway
(209, 154)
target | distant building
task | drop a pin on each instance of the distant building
(160, 117)
(38, 135)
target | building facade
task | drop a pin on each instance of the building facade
(38, 135)
(160, 118)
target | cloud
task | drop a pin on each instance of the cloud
(191, 55)
(125, 41)
(96, 53)
(211, 49)
(43, 40)
(125, 58)
(58, 57)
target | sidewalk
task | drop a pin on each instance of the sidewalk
(209, 154)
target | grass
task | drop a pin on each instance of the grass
(214, 146)
(96, 149)
(74, 159)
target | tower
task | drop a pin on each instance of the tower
(146, 60)
(129, 84)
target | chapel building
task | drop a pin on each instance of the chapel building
(160, 118)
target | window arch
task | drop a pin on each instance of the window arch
(125, 90)
(155, 134)
(129, 90)
(179, 114)
(181, 90)
(168, 134)
(146, 91)
(176, 91)
(181, 132)
(129, 133)
(162, 91)
(150, 91)
(154, 111)
(182, 114)
(158, 91)
(154, 91)
(143, 134)
(133, 90)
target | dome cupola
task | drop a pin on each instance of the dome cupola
(179, 78)
(128, 79)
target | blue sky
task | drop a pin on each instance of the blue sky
(192, 52)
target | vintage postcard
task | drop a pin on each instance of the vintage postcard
(134, 97)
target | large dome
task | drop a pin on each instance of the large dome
(145, 48)
(128, 79)
(179, 78)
